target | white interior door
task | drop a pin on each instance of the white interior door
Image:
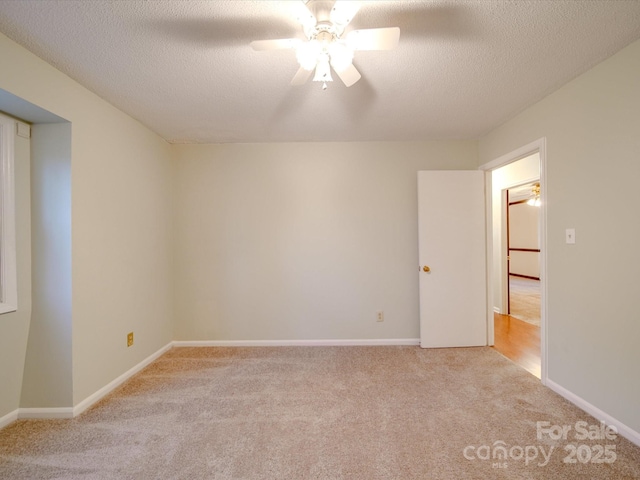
(451, 232)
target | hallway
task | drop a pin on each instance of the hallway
(517, 336)
(519, 341)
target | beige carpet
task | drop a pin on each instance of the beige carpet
(524, 295)
(315, 413)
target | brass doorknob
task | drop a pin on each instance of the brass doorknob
(426, 269)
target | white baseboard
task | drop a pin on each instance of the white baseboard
(97, 396)
(70, 412)
(496, 310)
(55, 412)
(623, 429)
(9, 418)
(296, 343)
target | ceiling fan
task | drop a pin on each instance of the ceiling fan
(326, 46)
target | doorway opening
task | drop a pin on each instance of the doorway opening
(522, 223)
(517, 328)
(516, 253)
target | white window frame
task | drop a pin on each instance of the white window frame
(8, 277)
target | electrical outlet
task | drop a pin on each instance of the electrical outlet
(129, 339)
(380, 317)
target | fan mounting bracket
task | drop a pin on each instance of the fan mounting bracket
(324, 31)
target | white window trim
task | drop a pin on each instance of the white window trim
(8, 278)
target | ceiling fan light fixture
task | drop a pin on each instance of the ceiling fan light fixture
(341, 56)
(323, 70)
(307, 54)
(534, 201)
(324, 23)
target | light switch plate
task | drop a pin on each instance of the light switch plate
(570, 236)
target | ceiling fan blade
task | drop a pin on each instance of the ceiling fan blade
(301, 76)
(374, 38)
(305, 16)
(284, 43)
(349, 75)
(343, 12)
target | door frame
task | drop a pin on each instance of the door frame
(506, 251)
(538, 146)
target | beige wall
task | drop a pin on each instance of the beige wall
(121, 246)
(301, 241)
(524, 223)
(48, 364)
(593, 146)
(121, 257)
(14, 326)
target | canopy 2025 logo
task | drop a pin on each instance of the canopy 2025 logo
(582, 451)
(581, 431)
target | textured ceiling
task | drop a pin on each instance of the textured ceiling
(185, 68)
